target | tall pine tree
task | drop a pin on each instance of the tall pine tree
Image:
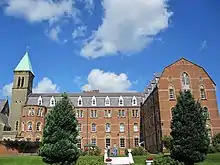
(190, 141)
(60, 135)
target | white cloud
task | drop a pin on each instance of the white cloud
(79, 32)
(7, 90)
(44, 86)
(203, 45)
(107, 81)
(128, 26)
(39, 10)
(54, 33)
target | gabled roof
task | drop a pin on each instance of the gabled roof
(191, 63)
(24, 64)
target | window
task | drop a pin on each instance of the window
(185, 79)
(93, 114)
(135, 127)
(30, 126)
(37, 139)
(41, 114)
(122, 142)
(122, 127)
(52, 101)
(107, 142)
(79, 113)
(202, 93)
(31, 112)
(22, 82)
(19, 82)
(22, 126)
(171, 93)
(121, 113)
(38, 126)
(107, 127)
(121, 101)
(16, 125)
(134, 101)
(107, 101)
(93, 101)
(136, 142)
(135, 113)
(79, 127)
(80, 101)
(40, 101)
(38, 111)
(108, 113)
(93, 141)
(79, 143)
(206, 113)
(93, 127)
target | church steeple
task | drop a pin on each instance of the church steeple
(25, 64)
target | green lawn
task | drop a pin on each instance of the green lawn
(212, 159)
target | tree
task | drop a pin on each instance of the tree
(59, 144)
(190, 140)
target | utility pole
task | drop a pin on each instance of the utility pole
(129, 141)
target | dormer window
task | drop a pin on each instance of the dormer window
(40, 101)
(93, 101)
(134, 101)
(52, 101)
(107, 101)
(80, 101)
(121, 101)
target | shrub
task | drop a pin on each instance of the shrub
(167, 142)
(216, 139)
(165, 160)
(217, 147)
(86, 161)
(212, 149)
(91, 151)
(139, 151)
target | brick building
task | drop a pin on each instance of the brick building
(160, 98)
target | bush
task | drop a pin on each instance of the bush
(212, 149)
(217, 147)
(138, 151)
(167, 142)
(165, 160)
(86, 161)
(216, 139)
(91, 151)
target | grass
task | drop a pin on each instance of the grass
(212, 159)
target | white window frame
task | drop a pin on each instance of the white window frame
(122, 127)
(52, 101)
(171, 92)
(93, 114)
(40, 101)
(202, 92)
(93, 127)
(79, 127)
(134, 101)
(120, 144)
(79, 100)
(121, 101)
(135, 127)
(93, 101)
(107, 101)
(39, 127)
(107, 138)
(28, 127)
(107, 129)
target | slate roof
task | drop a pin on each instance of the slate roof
(2, 104)
(87, 98)
(4, 119)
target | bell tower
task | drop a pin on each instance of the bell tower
(22, 87)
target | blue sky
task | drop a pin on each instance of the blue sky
(76, 45)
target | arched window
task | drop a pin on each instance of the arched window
(93, 141)
(52, 101)
(19, 82)
(122, 142)
(185, 79)
(30, 128)
(202, 92)
(107, 142)
(38, 126)
(107, 101)
(134, 101)
(16, 125)
(136, 141)
(171, 93)
(80, 103)
(22, 82)
(93, 127)
(206, 113)
(93, 101)
(121, 101)
(40, 101)
(107, 127)
(135, 127)
(122, 127)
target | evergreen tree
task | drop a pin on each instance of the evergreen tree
(60, 135)
(190, 140)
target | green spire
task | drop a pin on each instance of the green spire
(24, 64)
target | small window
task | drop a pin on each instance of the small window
(134, 101)
(79, 143)
(136, 142)
(185, 79)
(93, 101)
(122, 127)
(93, 114)
(39, 112)
(79, 113)
(79, 127)
(202, 93)
(93, 141)
(107, 113)
(107, 142)
(206, 113)
(38, 126)
(40, 101)
(93, 127)
(107, 101)
(22, 126)
(122, 113)
(122, 142)
(19, 82)
(52, 101)
(171, 93)
(135, 127)
(22, 82)
(121, 101)
(80, 103)
(37, 139)
(16, 125)
(135, 113)
(107, 127)
(30, 126)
